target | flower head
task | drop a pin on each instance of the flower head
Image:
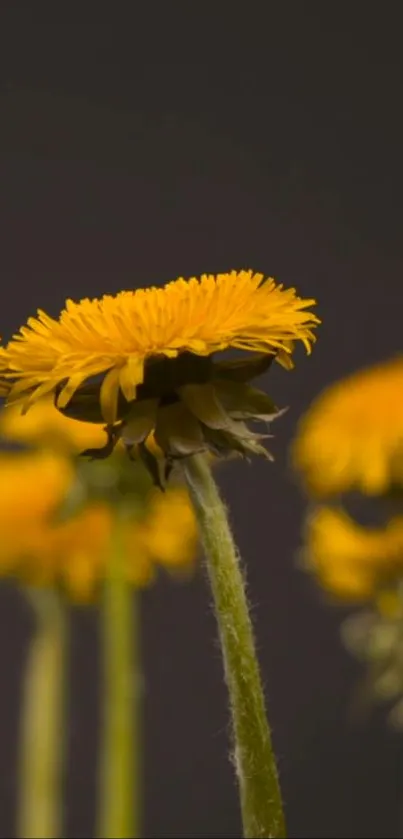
(42, 547)
(350, 561)
(352, 436)
(153, 350)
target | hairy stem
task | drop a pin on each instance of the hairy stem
(260, 797)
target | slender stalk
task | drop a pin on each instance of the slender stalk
(261, 805)
(43, 725)
(118, 815)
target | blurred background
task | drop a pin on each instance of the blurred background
(170, 140)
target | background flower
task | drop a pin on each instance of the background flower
(39, 549)
(352, 435)
(57, 511)
(352, 562)
(44, 426)
(350, 444)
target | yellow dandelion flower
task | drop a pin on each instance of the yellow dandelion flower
(352, 436)
(350, 561)
(153, 349)
(40, 549)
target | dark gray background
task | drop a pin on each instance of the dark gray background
(173, 141)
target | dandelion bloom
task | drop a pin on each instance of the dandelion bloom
(142, 361)
(352, 436)
(40, 547)
(348, 560)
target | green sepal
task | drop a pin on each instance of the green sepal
(164, 375)
(203, 402)
(177, 431)
(139, 421)
(223, 443)
(245, 402)
(100, 453)
(152, 465)
(85, 404)
(244, 369)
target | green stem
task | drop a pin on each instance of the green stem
(43, 724)
(119, 769)
(261, 805)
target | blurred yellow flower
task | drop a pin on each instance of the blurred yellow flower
(352, 436)
(350, 561)
(41, 550)
(46, 427)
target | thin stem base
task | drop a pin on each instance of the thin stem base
(43, 724)
(118, 815)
